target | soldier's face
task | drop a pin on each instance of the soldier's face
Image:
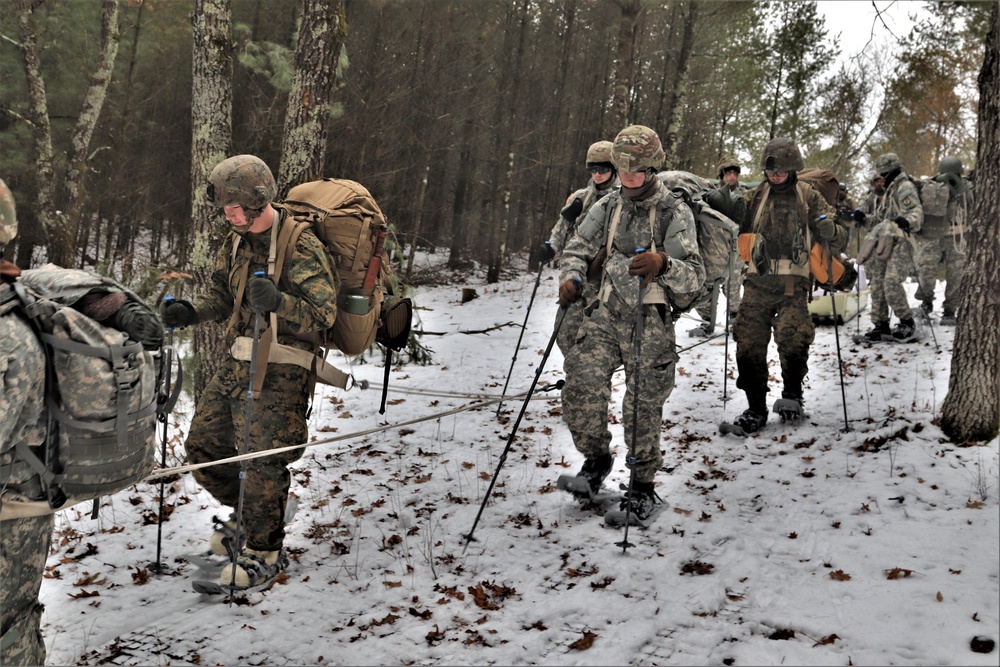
(776, 177)
(731, 176)
(632, 179)
(235, 215)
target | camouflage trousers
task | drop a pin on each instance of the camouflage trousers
(886, 280)
(278, 420)
(707, 303)
(570, 327)
(24, 546)
(604, 343)
(764, 310)
(935, 254)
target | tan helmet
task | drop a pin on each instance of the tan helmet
(887, 163)
(637, 148)
(8, 215)
(781, 154)
(599, 152)
(727, 162)
(242, 180)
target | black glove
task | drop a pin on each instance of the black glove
(263, 294)
(569, 292)
(572, 210)
(140, 323)
(859, 216)
(903, 224)
(178, 313)
(546, 253)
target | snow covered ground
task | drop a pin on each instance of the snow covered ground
(799, 546)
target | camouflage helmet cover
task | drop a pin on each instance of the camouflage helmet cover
(637, 148)
(8, 216)
(728, 162)
(887, 163)
(781, 154)
(242, 180)
(951, 165)
(600, 151)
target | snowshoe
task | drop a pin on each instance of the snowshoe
(639, 508)
(905, 331)
(591, 476)
(948, 318)
(221, 541)
(255, 571)
(878, 334)
(748, 422)
(701, 331)
(789, 409)
(582, 491)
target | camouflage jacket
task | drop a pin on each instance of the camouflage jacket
(673, 232)
(901, 197)
(563, 230)
(307, 281)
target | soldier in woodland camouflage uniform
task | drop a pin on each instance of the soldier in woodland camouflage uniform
(604, 179)
(728, 198)
(783, 220)
(897, 214)
(24, 542)
(304, 301)
(941, 242)
(643, 214)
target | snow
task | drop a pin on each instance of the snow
(799, 546)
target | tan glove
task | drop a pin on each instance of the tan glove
(649, 265)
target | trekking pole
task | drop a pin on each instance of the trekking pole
(162, 417)
(237, 538)
(836, 329)
(538, 278)
(469, 537)
(636, 356)
(725, 398)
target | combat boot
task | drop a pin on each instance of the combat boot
(596, 470)
(879, 333)
(905, 331)
(948, 318)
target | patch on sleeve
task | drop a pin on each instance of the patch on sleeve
(908, 201)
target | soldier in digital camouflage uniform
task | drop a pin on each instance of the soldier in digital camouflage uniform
(24, 542)
(896, 215)
(727, 198)
(642, 214)
(304, 301)
(785, 215)
(603, 179)
(941, 242)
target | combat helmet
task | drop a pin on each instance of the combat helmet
(727, 162)
(781, 154)
(599, 152)
(637, 148)
(887, 163)
(8, 215)
(242, 180)
(951, 165)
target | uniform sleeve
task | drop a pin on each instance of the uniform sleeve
(310, 303)
(560, 234)
(680, 241)
(583, 245)
(216, 303)
(908, 204)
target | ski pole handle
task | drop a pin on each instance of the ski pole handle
(167, 300)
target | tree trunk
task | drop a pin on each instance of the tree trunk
(322, 29)
(211, 127)
(971, 410)
(624, 67)
(677, 106)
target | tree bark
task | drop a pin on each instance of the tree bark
(211, 127)
(322, 29)
(971, 410)
(624, 67)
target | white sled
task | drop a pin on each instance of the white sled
(848, 304)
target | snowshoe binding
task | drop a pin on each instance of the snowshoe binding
(748, 422)
(905, 331)
(789, 409)
(586, 485)
(255, 571)
(639, 508)
(880, 333)
(702, 331)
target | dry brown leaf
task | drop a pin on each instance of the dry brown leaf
(584, 642)
(897, 572)
(940, 598)
(829, 639)
(840, 575)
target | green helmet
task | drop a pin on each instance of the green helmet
(781, 154)
(8, 216)
(951, 165)
(887, 163)
(637, 148)
(727, 162)
(242, 180)
(599, 152)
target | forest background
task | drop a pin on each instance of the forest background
(468, 121)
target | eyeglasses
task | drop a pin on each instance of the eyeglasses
(600, 169)
(774, 172)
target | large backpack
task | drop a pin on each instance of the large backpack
(933, 200)
(101, 393)
(824, 181)
(717, 233)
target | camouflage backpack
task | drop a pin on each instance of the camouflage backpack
(102, 394)
(717, 233)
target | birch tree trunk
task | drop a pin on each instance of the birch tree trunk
(971, 410)
(322, 28)
(211, 142)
